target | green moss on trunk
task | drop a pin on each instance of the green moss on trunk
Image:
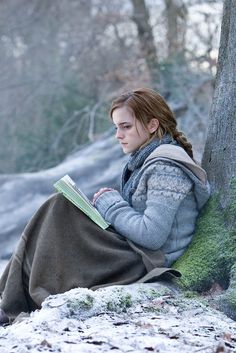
(211, 257)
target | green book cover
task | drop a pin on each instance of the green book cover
(67, 187)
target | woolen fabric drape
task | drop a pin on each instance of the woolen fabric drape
(61, 248)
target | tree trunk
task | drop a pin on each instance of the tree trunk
(176, 13)
(219, 157)
(210, 261)
(147, 44)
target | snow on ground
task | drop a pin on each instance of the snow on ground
(133, 318)
(3, 264)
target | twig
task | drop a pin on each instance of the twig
(203, 348)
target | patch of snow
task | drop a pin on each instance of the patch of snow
(133, 318)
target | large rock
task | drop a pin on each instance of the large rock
(131, 318)
(92, 167)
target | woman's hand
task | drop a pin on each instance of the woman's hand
(100, 192)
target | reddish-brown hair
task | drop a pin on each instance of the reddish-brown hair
(147, 104)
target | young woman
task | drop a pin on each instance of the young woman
(152, 218)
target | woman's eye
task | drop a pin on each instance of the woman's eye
(125, 127)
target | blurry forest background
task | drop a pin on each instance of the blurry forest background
(62, 62)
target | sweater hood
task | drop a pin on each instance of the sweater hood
(179, 156)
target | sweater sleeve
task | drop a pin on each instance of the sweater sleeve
(166, 186)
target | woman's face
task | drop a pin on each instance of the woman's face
(129, 131)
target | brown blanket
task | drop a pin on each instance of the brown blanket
(61, 248)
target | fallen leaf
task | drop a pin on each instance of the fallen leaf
(97, 343)
(222, 348)
(120, 323)
(151, 349)
(173, 335)
(45, 343)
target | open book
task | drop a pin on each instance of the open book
(67, 187)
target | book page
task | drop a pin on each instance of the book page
(69, 189)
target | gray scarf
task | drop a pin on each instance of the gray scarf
(130, 176)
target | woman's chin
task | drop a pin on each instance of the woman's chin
(126, 149)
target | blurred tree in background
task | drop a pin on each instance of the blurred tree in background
(61, 63)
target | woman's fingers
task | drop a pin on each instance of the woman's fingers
(100, 192)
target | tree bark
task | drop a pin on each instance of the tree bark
(176, 13)
(219, 157)
(211, 258)
(147, 44)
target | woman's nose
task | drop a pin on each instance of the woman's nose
(119, 134)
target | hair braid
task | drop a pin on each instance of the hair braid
(181, 138)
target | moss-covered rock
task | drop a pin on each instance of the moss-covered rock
(227, 301)
(211, 257)
(83, 303)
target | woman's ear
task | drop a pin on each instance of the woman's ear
(153, 125)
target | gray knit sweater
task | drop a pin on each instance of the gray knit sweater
(164, 204)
